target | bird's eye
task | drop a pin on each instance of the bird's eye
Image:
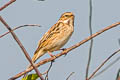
(66, 15)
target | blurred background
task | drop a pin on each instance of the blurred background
(46, 13)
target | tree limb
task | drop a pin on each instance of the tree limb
(66, 50)
(99, 67)
(19, 27)
(21, 46)
(7, 4)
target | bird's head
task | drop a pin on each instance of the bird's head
(67, 17)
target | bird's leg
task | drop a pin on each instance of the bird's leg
(61, 49)
(51, 55)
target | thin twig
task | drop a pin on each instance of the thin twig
(21, 46)
(41, 0)
(91, 41)
(119, 41)
(118, 75)
(7, 4)
(106, 68)
(70, 75)
(19, 27)
(67, 50)
(103, 64)
(46, 77)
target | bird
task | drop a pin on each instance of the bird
(56, 37)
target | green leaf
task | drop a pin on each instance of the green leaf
(31, 77)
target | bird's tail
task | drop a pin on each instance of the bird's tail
(36, 56)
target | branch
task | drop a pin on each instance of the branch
(111, 64)
(67, 50)
(22, 48)
(106, 68)
(46, 77)
(7, 4)
(103, 64)
(19, 27)
(70, 75)
(91, 41)
(41, 0)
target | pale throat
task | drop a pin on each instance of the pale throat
(69, 22)
(66, 21)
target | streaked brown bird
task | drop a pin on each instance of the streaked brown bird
(56, 37)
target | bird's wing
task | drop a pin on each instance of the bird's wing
(55, 29)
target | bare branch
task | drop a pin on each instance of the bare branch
(7, 4)
(106, 68)
(103, 64)
(119, 41)
(19, 27)
(91, 41)
(41, 0)
(22, 47)
(70, 75)
(46, 77)
(67, 50)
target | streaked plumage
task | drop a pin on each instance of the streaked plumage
(56, 37)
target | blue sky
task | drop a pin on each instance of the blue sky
(46, 13)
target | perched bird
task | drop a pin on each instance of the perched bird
(56, 37)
